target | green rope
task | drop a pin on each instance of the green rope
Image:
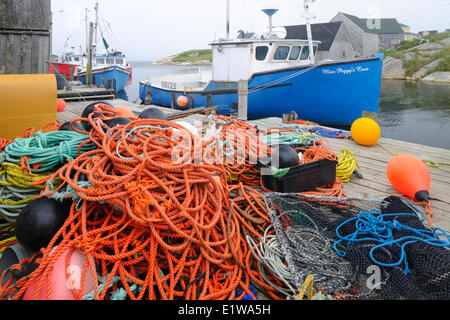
(47, 149)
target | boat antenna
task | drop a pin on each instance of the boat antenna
(308, 18)
(270, 12)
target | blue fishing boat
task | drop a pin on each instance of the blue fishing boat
(283, 76)
(109, 67)
(106, 68)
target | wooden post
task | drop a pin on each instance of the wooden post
(243, 100)
(173, 100)
(148, 98)
(191, 102)
(102, 80)
(89, 64)
(208, 100)
(115, 84)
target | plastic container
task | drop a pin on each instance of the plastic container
(302, 178)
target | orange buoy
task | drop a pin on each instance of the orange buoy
(124, 112)
(182, 101)
(60, 105)
(410, 176)
(366, 132)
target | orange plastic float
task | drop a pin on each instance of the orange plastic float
(366, 132)
(60, 105)
(182, 101)
(410, 176)
(124, 112)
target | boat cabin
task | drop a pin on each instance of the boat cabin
(239, 60)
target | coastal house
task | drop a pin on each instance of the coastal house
(407, 32)
(388, 32)
(427, 33)
(335, 42)
(363, 41)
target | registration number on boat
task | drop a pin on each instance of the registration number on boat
(169, 85)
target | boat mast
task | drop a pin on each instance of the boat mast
(228, 20)
(87, 31)
(308, 29)
(96, 26)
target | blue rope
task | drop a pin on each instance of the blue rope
(372, 226)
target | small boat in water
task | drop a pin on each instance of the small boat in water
(109, 69)
(106, 67)
(283, 76)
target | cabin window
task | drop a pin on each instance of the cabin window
(100, 61)
(295, 52)
(76, 59)
(261, 53)
(119, 61)
(109, 61)
(281, 53)
(305, 53)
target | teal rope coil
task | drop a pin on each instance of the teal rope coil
(48, 149)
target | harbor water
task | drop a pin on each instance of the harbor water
(415, 112)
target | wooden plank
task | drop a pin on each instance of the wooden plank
(25, 15)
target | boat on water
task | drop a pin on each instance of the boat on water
(66, 64)
(108, 68)
(283, 76)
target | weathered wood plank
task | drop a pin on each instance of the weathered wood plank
(25, 14)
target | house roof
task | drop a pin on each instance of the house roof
(323, 32)
(387, 25)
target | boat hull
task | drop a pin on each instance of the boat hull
(66, 69)
(113, 72)
(334, 93)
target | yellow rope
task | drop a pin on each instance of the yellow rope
(16, 177)
(346, 166)
(429, 163)
(307, 287)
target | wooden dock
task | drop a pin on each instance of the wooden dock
(84, 93)
(372, 160)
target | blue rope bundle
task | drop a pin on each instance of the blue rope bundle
(374, 226)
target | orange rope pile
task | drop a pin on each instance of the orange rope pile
(242, 141)
(167, 230)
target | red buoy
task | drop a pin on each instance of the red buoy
(410, 176)
(60, 105)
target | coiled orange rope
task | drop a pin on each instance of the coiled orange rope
(166, 229)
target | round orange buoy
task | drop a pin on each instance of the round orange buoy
(182, 101)
(124, 112)
(60, 105)
(410, 176)
(366, 131)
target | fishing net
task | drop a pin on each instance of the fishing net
(360, 248)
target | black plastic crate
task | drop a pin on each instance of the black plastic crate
(303, 178)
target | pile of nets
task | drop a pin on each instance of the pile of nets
(361, 249)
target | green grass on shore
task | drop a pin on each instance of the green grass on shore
(194, 56)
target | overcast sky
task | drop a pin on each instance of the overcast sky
(147, 30)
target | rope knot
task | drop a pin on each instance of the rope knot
(86, 245)
(41, 139)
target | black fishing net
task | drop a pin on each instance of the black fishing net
(396, 257)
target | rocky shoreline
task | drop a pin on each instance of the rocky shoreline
(394, 67)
